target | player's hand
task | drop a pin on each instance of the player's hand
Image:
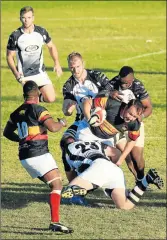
(20, 78)
(63, 121)
(94, 121)
(57, 68)
(116, 95)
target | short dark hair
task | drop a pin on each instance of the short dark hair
(125, 70)
(137, 103)
(25, 10)
(30, 88)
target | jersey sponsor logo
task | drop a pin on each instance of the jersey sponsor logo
(31, 48)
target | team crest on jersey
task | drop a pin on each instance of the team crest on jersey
(31, 48)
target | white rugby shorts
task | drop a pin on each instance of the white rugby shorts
(40, 79)
(105, 174)
(84, 133)
(40, 165)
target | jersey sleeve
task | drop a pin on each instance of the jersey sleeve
(12, 43)
(134, 130)
(67, 92)
(42, 114)
(46, 36)
(100, 102)
(141, 92)
(102, 80)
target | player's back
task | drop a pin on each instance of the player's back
(84, 153)
(28, 119)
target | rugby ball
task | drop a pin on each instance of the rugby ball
(98, 115)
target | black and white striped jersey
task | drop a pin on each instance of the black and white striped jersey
(28, 47)
(137, 87)
(80, 155)
(94, 83)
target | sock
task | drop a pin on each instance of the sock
(135, 195)
(54, 206)
(138, 191)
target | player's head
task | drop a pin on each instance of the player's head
(27, 16)
(126, 75)
(132, 110)
(30, 90)
(75, 64)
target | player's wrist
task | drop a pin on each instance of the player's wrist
(62, 121)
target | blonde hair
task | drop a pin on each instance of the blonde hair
(73, 55)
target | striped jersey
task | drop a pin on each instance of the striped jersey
(28, 47)
(28, 119)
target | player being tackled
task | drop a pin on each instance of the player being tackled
(101, 172)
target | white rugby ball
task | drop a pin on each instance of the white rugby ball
(98, 115)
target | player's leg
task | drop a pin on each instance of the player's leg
(53, 179)
(124, 201)
(98, 174)
(44, 167)
(137, 155)
(48, 93)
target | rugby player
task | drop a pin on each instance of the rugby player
(120, 117)
(92, 162)
(126, 80)
(26, 44)
(82, 85)
(32, 122)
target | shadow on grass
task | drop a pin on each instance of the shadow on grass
(19, 195)
(50, 69)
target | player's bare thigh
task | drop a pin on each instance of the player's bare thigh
(48, 93)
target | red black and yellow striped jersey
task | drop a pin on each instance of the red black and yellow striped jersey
(28, 119)
(114, 123)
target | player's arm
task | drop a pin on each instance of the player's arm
(68, 107)
(69, 102)
(54, 54)
(128, 147)
(87, 105)
(10, 57)
(147, 107)
(54, 126)
(9, 132)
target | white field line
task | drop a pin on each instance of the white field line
(143, 55)
(96, 18)
(107, 18)
(111, 38)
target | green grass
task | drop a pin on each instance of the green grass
(108, 35)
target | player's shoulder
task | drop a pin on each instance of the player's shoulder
(70, 83)
(40, 29)
(137, 82)
(134, 125)
(38, 108)
(16, 33)
(93, 72)
(115, 79)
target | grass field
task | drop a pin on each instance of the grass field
(108, 35)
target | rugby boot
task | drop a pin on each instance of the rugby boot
(153, 178)
(59, 227)
(70, 191)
